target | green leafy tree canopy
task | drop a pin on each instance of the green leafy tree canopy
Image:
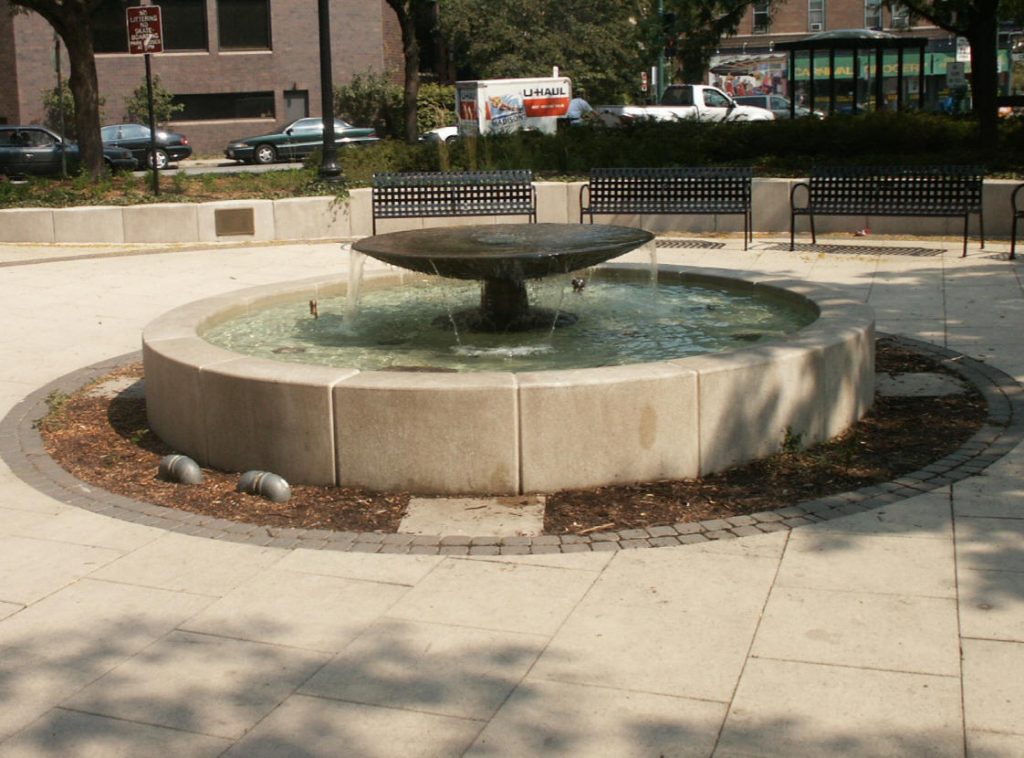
(597, 43)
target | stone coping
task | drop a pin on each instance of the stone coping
(22, 449)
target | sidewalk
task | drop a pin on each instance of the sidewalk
(898, 631)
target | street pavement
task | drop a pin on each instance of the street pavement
(894, 632)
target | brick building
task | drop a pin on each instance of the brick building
(239, 67)
(748, 61)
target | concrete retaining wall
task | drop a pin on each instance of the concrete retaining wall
(325, 218)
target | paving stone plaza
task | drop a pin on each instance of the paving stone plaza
(889, 621)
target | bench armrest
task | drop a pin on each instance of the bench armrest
(792, 196)
(585, 187)
(1013, 198)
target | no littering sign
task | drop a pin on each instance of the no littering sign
(145, 30)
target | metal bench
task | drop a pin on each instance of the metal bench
(951, 191)
(454, 193)
(1018, 214)
(682, 191)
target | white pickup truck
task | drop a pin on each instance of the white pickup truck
(685, 102)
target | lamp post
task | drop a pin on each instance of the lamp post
(330, 171)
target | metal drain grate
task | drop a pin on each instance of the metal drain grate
(807, 247)
(690, 244)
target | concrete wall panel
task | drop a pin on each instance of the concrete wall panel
(26, 225)
(271, 416)
(608, 425)
(163, 222)
(309, 218)
(99, 224)
(431, 433)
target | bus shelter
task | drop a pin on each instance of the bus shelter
(870, 50)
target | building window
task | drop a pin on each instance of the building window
(900, 16)
(762, 16)
(244, 24)
(110, 28)
(873, 14)
(225, 105)
(184, 23)
(815, 15)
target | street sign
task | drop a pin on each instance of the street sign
(955, 78)
(963, 50)
(145, 30)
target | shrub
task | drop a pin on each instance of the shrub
(136, 107)
(435, 106)
(54, 100)
(371, 99)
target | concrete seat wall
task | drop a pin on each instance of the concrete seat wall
(328, 218)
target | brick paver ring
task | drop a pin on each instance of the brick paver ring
(22, 449)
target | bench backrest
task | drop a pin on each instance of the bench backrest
(450, 193)
(897, 190)
(669, 190)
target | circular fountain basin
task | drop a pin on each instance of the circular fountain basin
(498, 432)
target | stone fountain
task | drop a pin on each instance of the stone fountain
(499, 432)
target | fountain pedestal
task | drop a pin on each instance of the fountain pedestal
(504, 257)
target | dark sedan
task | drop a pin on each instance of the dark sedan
(296, 141)
(171, 147)
(36, 150)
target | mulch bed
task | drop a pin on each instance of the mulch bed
(107, 442)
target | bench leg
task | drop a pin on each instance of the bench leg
(967, 218)
(792, 231)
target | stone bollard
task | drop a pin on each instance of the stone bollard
(181, 469)
(265, 484)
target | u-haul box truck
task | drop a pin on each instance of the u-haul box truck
(491, 106)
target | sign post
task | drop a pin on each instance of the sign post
(146, 36)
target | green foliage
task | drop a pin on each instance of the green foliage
(696, 26)
(435, 106)
(780, 148)
(56, 412)
(792, 441)
(52, 103)
(136, 106)
(371, 99)
(597, 43)
(126, 189)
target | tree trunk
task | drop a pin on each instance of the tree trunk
(411, 49)
(984, 73)
(411, 54)
(85, 90)
(72, 20)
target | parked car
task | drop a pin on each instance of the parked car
(295, 141)
(171, 147)
(777, 104)
(441, 134)
(36, 150)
